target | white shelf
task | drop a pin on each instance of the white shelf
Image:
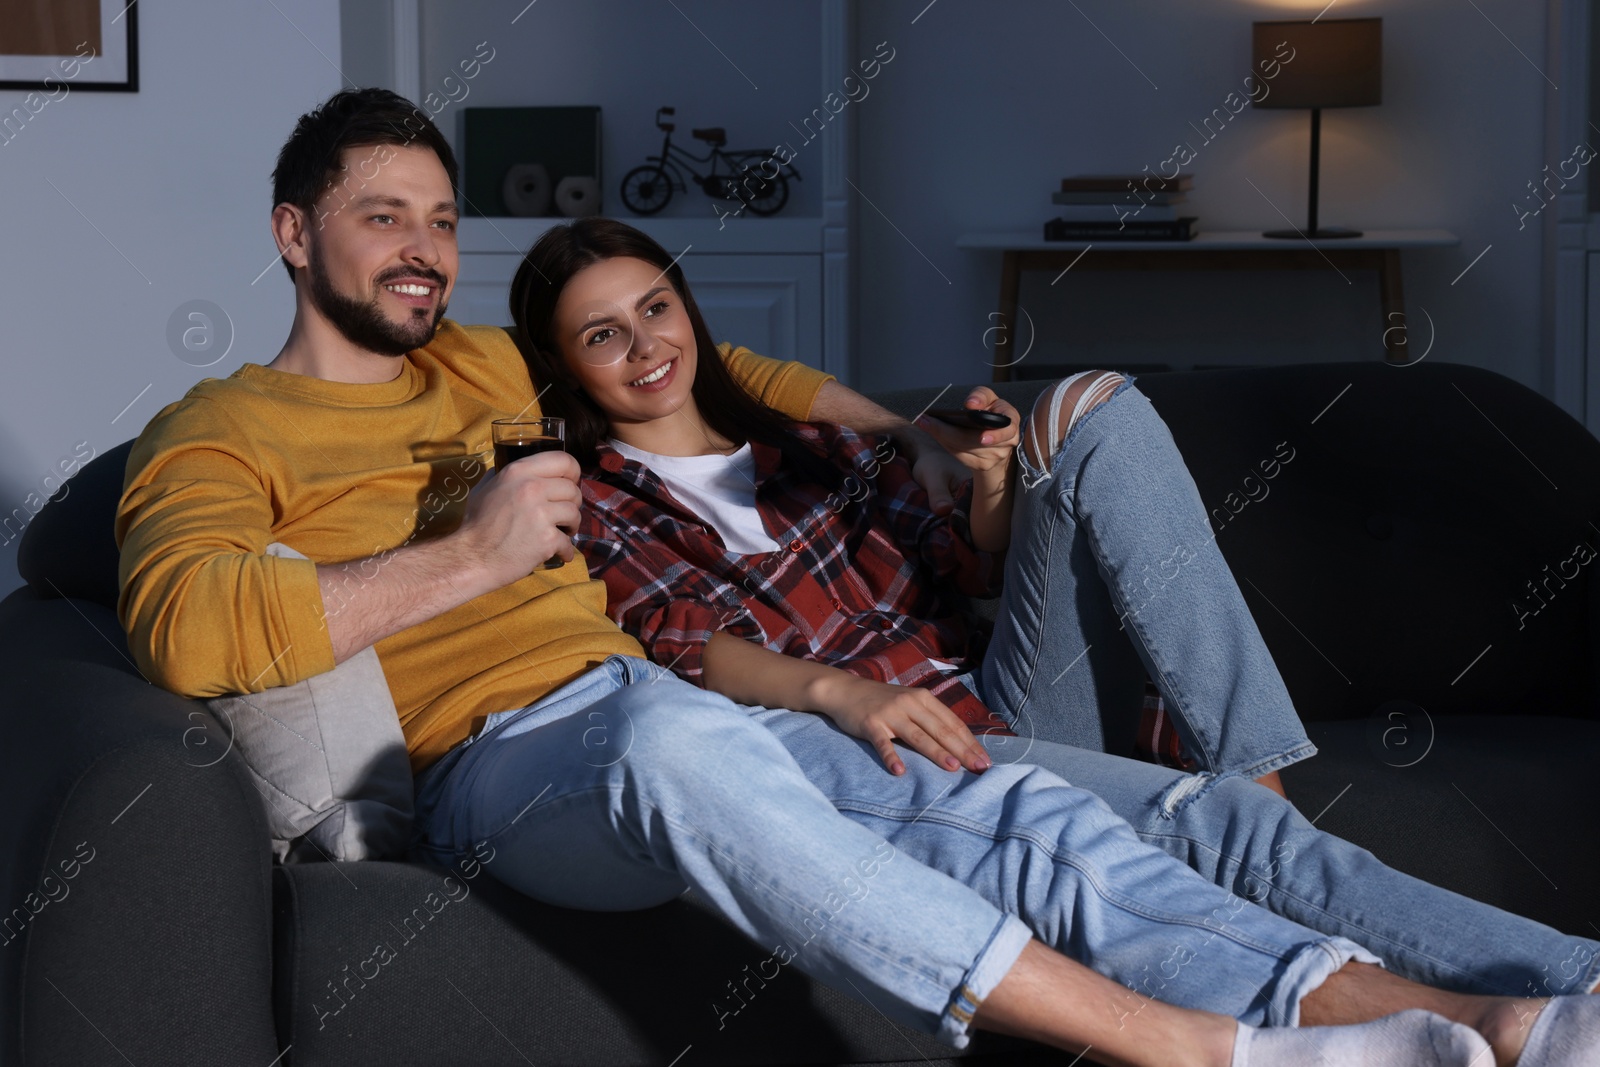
(1222, 240)
(779, 235)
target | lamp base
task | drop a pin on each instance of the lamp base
(1326, 233)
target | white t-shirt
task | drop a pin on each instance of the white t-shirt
(719, 489)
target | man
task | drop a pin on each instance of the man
(356, 446)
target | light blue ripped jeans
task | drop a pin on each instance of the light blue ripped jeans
(1114, 536)
(917, 892)
(1113, 564)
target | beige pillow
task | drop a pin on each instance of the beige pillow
(329, 758)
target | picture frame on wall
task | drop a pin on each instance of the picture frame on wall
(56, 46)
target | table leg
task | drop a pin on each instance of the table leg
(1395, 326)
(1004, 329)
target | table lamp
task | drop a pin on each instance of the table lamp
(1332, 63)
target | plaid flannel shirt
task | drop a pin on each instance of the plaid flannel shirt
(859, 580)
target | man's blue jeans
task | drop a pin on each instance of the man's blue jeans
(917, 893)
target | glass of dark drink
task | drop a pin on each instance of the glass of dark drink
(523, 436)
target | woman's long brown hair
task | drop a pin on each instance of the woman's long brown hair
(550, 264)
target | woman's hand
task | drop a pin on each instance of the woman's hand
(879, 713)
(986, 451)
(989, 455)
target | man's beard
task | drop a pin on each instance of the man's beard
(364, 324)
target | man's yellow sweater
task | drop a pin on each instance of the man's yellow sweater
(339, 472)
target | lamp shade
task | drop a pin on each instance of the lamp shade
(1326, 63)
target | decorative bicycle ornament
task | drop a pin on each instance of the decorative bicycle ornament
(755, 177)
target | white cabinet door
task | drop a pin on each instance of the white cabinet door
(771, 304)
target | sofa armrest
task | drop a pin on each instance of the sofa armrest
(137, 900)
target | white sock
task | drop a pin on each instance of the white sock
(1566, 1033)
(1412, 1038)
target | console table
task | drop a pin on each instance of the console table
(1377, 250)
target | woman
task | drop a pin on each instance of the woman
(1120, 544)
(797, 567)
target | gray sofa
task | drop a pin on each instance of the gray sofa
(142, 920)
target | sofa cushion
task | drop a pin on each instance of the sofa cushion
(329, 758)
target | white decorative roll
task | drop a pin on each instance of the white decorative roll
(527, 189)
(577, 197)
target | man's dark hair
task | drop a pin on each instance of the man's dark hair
(309, 162)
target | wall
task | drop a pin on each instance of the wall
(988, 106)
(366, 41)
(122, 207)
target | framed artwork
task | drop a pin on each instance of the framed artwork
(55, 46)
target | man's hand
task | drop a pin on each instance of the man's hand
(879, 713)
(515, 520)
(938, 472)
(519, 517)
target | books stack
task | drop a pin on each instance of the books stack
(1122, 207)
